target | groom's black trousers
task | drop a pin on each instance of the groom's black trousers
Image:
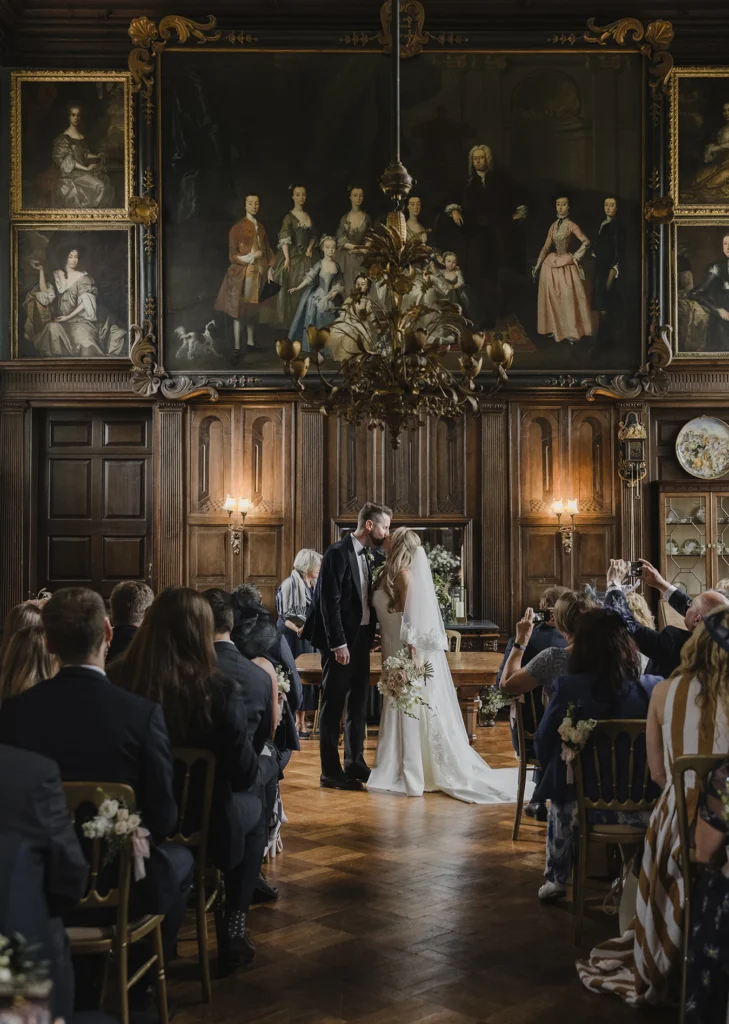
(342, 683)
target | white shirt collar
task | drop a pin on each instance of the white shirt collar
(92, 668)
(358, 545)
(224, 642)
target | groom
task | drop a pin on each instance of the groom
(342, 626)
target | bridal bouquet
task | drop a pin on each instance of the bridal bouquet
(402, 682)
(117, 827)
(574, 733)
(282, 680)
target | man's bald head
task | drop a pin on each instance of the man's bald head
(702, 605)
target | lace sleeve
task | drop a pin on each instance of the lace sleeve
(434, 640)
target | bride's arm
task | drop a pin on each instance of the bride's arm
(401, 584)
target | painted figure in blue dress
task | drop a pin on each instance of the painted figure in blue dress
(323, 288)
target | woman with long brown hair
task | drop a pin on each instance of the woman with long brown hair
(171, 660)
(688, 714)
(25, 661)
(604, 681)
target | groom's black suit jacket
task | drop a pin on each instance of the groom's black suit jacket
(336, 611)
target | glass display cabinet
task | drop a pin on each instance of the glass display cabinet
(694, 536)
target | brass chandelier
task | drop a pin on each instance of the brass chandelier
(399, 365)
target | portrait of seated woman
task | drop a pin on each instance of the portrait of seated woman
(62, 314)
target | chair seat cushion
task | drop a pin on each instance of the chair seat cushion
(91, 933)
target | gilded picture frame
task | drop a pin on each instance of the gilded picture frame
(699, 281)
(699, 141)
(73, 292)
(71, 155)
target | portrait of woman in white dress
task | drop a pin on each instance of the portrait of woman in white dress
(63, 318)
(563, 309)
(430, 752)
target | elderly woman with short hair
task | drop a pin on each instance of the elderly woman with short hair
(293, 602)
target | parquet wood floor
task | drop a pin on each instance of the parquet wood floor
(409, 911)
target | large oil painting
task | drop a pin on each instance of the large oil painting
(71, 145)
(700, 139)
(701, 288)
(529, 178)
(72, 291)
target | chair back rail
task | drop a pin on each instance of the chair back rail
(453, 634)
(189, 757)
(607, 734)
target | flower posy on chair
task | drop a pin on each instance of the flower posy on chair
(117, 827)
(575, 732)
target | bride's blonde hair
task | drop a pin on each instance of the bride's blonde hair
(404, 544)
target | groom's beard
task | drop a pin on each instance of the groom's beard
(377, 543)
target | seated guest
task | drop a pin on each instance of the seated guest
(27, 613)
(603, 681)
(43, 870)
(26, 661)
(128, 603)
(97, 732)
(294, 599)
(663, 647)
(171, 660)
(552, 661)
(707, 977)
(688, 714)
(544, 635)
(256, 637)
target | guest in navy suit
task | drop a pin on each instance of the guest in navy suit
(604, 681)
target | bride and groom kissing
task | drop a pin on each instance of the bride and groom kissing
(414, 755)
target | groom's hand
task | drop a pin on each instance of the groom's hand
(342, 655)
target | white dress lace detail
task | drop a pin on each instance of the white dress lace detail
(430, 752)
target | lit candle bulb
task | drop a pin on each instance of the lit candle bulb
(558, 507)
(230, 504)
(244, 504)
(572, 506)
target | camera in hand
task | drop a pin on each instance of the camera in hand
(635, 571)
(542, 616)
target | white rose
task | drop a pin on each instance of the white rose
(5, 975)
(123, 814)
(134, 822)
(120, 828)
(109, 808)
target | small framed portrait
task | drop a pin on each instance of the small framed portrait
(700, 281)
(73, 291)
(71, 150)
(700, 140)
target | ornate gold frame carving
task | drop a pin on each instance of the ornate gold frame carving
(17, 211)
(78, 228)
(690, 209)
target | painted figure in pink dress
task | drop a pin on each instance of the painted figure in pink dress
(563, 309)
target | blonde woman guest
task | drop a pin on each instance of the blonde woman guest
(293, 601)
(546, 666)
(25, 661)
(27, 613)
(688, 714)
(642, 614)
(431, 751)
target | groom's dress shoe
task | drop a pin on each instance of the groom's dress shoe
(342, 783)
(358, 771)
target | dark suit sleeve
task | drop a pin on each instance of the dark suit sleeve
(156, 803)
(546, 738)
(66, 870)
(680, 601)
(507, 652)
(234, 748)
(295, 696)
(330, 598)
(650, 642)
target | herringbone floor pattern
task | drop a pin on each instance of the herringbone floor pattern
(409, 911)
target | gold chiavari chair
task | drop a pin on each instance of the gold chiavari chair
(193, 827)
(641, 794)
(455, 636)
(114, 939)
(531, 703)
(701, 765)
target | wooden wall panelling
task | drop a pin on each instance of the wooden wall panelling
(404, 473)
(352, 472)
(541, 564)
(211, 476)
(633, 506)
(593, 546)
(494, 515)
(311, 460)
(538, 440)
(447, 467)
(12, 491)
(591, 434)
(170, 566)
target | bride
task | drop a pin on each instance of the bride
(431, 752)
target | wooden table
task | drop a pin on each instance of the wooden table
(471, 671)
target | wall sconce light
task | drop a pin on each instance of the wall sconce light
(241, 506)
(567, 533)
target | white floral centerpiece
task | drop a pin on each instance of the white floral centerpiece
(574, 733)
(445, 568)
(21, 972)
(117, 827)
(402, 682)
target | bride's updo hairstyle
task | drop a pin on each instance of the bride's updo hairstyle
(403, 545)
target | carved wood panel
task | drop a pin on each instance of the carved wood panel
(447, 467)
(593, 547)
(540, 565)
(403, 473)
(540, 459)
(170, 566)
(591, 436)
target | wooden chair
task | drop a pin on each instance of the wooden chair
(525, 739)
(455, 636)
(702, 765)
(197, 819)
(641, 796)
(114, 939)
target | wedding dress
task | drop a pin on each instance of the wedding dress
(431, 752)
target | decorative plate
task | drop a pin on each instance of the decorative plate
(702, 447)
(691, 546)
